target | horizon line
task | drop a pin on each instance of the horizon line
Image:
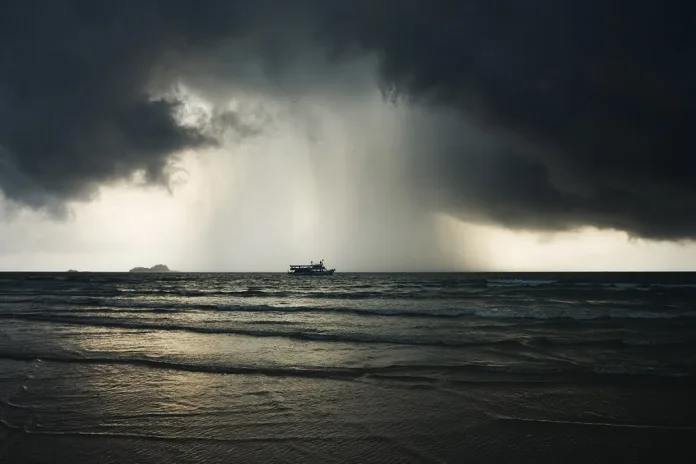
(364, 272)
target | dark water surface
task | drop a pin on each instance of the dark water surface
(351, 368)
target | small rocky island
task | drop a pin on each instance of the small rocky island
(155, 268)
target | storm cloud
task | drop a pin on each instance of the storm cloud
(545, 115)
(86, 95)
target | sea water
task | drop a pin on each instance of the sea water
(200, 367)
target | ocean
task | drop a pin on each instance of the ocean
(364, 368)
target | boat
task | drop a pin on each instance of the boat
(311, 269)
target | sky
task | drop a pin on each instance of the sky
(441, 135)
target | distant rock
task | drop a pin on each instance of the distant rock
(155, 268)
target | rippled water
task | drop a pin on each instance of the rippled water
(325, 364)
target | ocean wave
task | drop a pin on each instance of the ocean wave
(506, 342)
(629, 370)
(528, 312)
(522, 291)
(583, 287)
(305, 335)
(674, 286)
(471, 372)
(579, 314)
(446, 313)
(249, 293)
(624, 286)
(499, 282)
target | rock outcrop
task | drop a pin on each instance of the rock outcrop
(155, 268)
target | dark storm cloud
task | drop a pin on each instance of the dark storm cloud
(598, 96)
(583, 108)
(79, 99)
(489, 178)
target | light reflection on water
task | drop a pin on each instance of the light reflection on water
(266, 368)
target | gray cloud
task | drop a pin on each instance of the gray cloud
(590, 105)
(78, 104)
(559, 114)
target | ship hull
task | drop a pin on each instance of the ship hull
(313, 273)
